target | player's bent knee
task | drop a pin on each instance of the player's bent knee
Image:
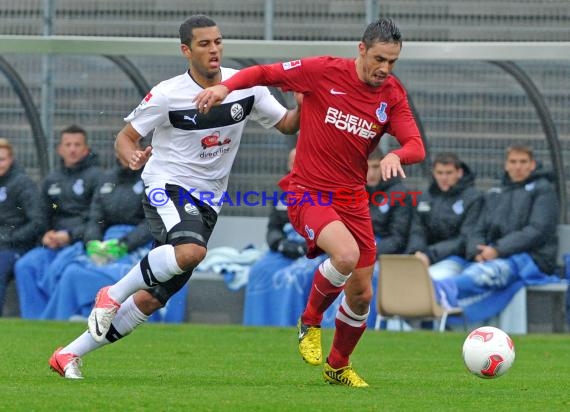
(345, 261)
(188, 256)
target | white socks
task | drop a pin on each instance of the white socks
(159, 266)
(128, 318)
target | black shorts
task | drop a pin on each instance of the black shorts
(176, 220)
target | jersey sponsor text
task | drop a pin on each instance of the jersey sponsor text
(351, 123)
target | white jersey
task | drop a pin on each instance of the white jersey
(193, 150)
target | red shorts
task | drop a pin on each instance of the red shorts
(309, 213)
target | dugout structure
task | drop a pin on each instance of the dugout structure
(473, 98)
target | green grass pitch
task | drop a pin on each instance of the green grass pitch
(217, 368)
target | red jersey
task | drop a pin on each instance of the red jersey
(342, 119)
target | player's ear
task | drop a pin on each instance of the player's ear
(361, 49)
(185, 49)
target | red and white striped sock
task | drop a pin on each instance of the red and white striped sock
(349, 330)
(327, 285)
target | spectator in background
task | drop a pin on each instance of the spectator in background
(66, 196)
(116, 237)
(390, 208)
(445, 215)
(21, 219)
(514, 242)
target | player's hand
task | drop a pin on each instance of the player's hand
(49, 240)
(210, 97)
(391, 167)
(139, 158)
(55, 239)
(487, 252)
(62, 238)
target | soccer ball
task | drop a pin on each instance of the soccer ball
(488, 352)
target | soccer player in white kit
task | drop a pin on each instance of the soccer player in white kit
(189, 160)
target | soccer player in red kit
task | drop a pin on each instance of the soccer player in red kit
(348, 104)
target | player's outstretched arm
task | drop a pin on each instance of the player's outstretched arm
(210, 97)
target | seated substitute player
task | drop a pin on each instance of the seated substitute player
(446, 214)
(514, 242)
(187, 163)
(65, 196)
(21, 217)
(348, 104)
(116, 237)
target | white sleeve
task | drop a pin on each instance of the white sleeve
(151, 112)
(267, 111)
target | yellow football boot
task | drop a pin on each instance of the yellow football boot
(345, 376)
(310, 343)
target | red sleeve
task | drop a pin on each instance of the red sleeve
(246, 78)
(295, 75)
(404, 128)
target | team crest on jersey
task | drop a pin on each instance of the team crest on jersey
(3, 194)
(237, 112)
(138, 187)
(291, 65)
(458, 207)
(78, 187)
(191, 209)
(381, 112)
(310, 232)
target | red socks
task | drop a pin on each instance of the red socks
(349, 330)
(322, 295)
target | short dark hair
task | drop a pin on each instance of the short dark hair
(521, 148)
(447, 158)
(197, 21)
(74, 129)
(382, 30)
